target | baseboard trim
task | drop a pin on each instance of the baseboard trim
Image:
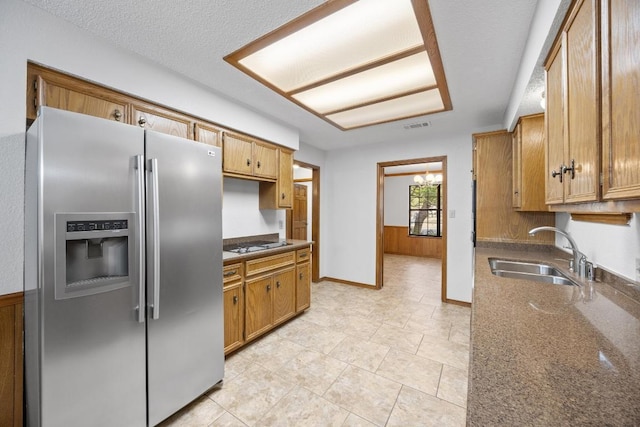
(348, 282)
(456, 302)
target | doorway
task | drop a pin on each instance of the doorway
(303, 220)
(380, 219)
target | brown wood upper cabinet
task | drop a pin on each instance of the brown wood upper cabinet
(249, 157)
(51, 89)
(528, 164)
(573, 159)
(279, 195)
(620, 50)
(162, 120)
(593, 111)
(208, 134)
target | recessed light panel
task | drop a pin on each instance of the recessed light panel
(417, 104)
(346, 59)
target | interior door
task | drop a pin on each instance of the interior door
(300, 212)
(184, 272)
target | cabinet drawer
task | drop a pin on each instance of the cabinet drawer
(231, 273)
(303, 255)
(260, 265)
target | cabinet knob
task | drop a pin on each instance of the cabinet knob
(248, 162)
(277, 284)
(258, 163)
(142, 121)
(230, 273)
(268, 288)
(235, 299)
(283, 196)
(117, 115)
(300, 276)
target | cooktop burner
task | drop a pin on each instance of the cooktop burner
(258, 245)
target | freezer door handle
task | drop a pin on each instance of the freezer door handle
(140, 215)
(155, 306)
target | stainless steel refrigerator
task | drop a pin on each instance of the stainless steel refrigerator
(123, 270)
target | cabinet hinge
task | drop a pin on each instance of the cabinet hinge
(35, 98)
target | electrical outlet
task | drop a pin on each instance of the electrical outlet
(280, 224)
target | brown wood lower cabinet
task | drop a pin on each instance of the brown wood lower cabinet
(303, 286)
(284, 295)
(233, 301)
(11, 360)
(264, 292)
(259, 308)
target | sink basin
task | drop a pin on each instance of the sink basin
(529, 271)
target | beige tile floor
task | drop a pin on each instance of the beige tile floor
(357, 357)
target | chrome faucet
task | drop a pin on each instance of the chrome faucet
(579, 265)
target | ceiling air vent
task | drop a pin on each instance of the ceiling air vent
(417, 125)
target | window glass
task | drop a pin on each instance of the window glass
(425, 211)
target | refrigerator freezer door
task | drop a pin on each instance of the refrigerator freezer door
(85, 349)
(184, 286)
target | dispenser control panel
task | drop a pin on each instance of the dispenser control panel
(97, 225)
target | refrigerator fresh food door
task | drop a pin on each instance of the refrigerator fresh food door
(185, 354)
(84, 342)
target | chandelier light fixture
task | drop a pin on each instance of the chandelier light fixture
(428, 179)
(353, 63)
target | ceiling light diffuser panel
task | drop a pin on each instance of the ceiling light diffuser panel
(353, 63)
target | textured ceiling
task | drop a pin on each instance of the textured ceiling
(481, 44)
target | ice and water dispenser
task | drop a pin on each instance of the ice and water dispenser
(93, 253)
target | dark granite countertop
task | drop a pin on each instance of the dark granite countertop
(551, 355)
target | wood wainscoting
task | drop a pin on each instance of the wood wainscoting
(11, 360)
(397, 241)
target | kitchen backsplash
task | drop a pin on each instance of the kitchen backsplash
(241, 215)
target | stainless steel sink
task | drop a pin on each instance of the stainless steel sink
(529, 271)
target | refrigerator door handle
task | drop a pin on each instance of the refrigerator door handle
(156, 240)
(140, 215)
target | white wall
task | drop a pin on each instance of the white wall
(241, 215)
(349, 209)
(28, 33)
(614, 247)
(396, 200)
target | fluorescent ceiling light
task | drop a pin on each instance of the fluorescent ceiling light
(353, 63)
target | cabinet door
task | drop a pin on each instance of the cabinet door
(532, 141)
(258, 313)
(66, 95)
(582, 101)
(285, 179)
(620, 100)
(303, 286)
(233, 311)
(237, 154)
(284, 297)
(516, 144)
(265, 160)
(554, 117)
(161, 120)
(208, 134)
